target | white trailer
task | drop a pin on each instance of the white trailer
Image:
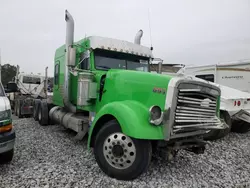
(234, 106)
(232, 74)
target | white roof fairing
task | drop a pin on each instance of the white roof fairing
(119, 46)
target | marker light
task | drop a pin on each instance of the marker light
(239, 103)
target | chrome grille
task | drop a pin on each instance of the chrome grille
(194, 110)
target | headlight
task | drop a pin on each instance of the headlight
(156, 115)
(5, 115)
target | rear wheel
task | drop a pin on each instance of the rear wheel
(217, 134)
(240, 126)
(50, 121)
(6, 157)
(36, 104)
(15, 107)
(43, 115)
(19, 108)
(120, 156)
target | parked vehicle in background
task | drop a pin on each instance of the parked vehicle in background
(234, 104)
(7, 132)
(102, 86)
(30, 87)
(232, 74)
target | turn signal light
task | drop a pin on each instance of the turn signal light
(6, 128)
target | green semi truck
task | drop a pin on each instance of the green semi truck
(104, 87)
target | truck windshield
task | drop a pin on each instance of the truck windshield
(31, 80)
(105, 60)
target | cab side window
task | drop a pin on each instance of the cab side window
(85, 64)
(85, 61)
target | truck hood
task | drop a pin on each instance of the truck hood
(144, 87)
(139, 76)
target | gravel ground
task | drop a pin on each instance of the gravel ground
(49, 157)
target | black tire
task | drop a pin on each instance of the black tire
(6, 157)
(36, 104)
(240, 126)
(143, 149)
(50, 106)
(19, 108)
(217, 134)
(43, 115)
(15, 107)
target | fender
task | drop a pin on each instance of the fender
(133, 118)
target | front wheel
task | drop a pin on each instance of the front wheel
(120, 156)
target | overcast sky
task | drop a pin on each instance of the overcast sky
(183, 31)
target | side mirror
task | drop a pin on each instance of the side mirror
(11, 87)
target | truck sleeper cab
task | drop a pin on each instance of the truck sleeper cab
(102, 87)
(30, 87)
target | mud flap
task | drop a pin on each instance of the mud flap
(81, 133)
(242, 115)
(82, 130)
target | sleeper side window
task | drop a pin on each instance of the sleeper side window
(56, 77)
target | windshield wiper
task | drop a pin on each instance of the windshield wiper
(103, 67)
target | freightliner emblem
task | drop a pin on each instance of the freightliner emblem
(159, 90)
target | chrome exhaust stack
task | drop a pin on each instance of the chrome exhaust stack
(69, 60)
(138, 37)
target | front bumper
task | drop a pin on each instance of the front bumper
(7, 141)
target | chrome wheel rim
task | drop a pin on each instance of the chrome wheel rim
(119, 151)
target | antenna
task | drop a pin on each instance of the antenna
(151, 48)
